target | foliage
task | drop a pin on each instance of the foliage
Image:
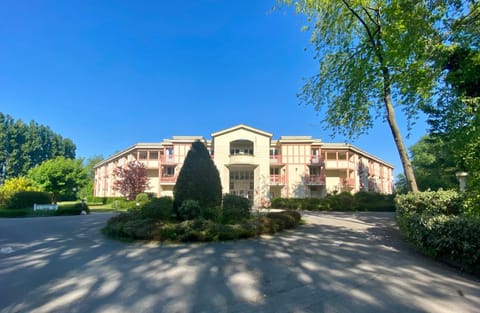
(361, 201)
(131, 179)
(14, 185)
(158, 208)
(87, 190)
(190, 209)
(455, 118)
(374, 56)
(59, 176)
(434, 223)
(235, 208)
(142, 197)
(433, 163)
(198, 179)
(133, 225)
(24, 146)
(26, 199)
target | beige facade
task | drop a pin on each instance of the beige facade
(253, 165)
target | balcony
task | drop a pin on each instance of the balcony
(340, 164)
(239, 159)
(168, 159)
(170, 179)
(315, 179)
(316, 160)
(276, 159)
(277, 180)
(349, 182)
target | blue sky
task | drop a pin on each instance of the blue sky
(108, 74)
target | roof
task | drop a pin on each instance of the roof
(242, 126)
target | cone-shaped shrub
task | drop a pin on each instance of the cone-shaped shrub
(198, 179)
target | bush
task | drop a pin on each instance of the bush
(142, 197)
(190, 209)
(235, 208)
(373, 201)
(432, 222)
(361, 201)
(26, 199)
(72, 209)
(158, 208)
(432, 202)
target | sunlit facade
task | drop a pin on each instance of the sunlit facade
(253, 165)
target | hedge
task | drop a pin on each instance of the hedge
(361, 201)
(434, 222)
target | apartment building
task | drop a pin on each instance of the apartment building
(253, 165)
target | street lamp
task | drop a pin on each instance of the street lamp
(462, 180)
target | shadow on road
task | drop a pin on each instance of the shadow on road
(338, 262)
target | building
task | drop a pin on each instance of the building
(253, 165)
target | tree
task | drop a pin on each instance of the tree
(131, 179)
(89, 163)
(24, 146)
(198, 179)
(456, 116)
(60, 176)
(434, 165)
(374, 56)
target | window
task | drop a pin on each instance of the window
(153, 155)
(274, 171)
(168, 171)
(316, 151)
(142, 155)
(274, 151)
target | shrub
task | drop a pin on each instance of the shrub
(190, 209)
(142, 197)
(430, 221)
(198, 179)
(235, 208)
(26, 199)
(373, 201)
(158, 208)
(72, 209)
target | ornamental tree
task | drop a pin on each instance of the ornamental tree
(374, 56)
(59, 176)
(198, 180)
(131, 179)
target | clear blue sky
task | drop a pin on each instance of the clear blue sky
(108, 74)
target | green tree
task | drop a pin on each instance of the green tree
(374, 56)
(131, 180)
(198, 179)
(24, 146)
(60, 176)
(455, 118)
(89, 163)
(434, 163)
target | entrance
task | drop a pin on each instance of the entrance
(242, 182)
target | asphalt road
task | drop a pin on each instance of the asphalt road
(338, 262)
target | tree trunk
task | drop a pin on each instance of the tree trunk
(407, 165)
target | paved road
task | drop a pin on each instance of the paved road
(338, 262)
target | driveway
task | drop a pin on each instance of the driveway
(338, 262)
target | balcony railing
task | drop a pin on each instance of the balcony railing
(242, 159)
(276, 159)
(277, 180)
(349, 182)
(315, 179)
(316, 160)
(168, 178)
(169, 158)
(340, 164)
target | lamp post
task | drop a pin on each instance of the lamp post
(462, 180)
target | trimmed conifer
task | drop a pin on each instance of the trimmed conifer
(198, 180)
